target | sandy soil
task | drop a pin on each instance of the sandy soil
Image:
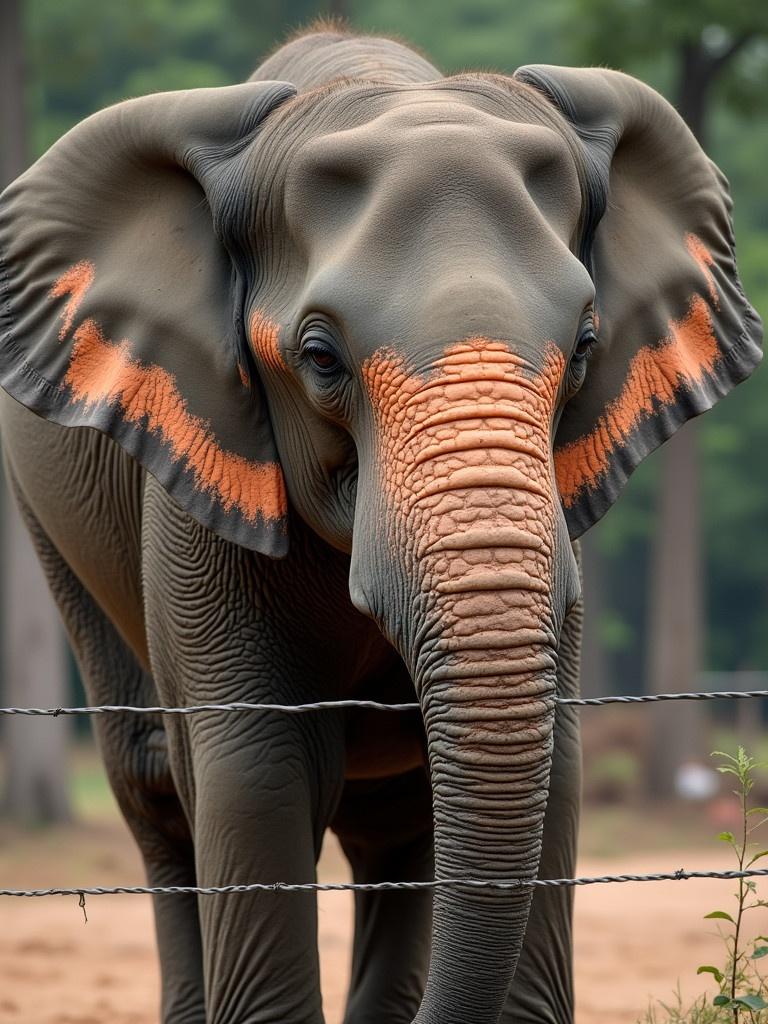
(633, 941)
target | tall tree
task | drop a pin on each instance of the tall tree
(699, 42)
(33, 666)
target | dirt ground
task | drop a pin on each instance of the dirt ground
(633, 941)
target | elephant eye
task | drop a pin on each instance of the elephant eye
(318, 349)
(321, 357)
(585, 342)
(587, 338)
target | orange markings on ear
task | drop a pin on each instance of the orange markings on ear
(99, 371)
(74, 282)
(656, 373)
(704, 258)
(264, 333)
(103, 372)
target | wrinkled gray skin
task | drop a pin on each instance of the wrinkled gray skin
(162, 611)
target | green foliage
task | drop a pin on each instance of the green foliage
(627, 30)
(742, 989)
(486, 34)
(699, 1012)
(83, 56)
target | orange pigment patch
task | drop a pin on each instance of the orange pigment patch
(465, 461)
(102, 372)
(705, 260)
(656, 373)
(264, 333)
(74, 282)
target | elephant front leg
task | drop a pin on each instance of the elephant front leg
(259, 789)
(255, 821)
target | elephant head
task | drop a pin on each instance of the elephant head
(442, 323)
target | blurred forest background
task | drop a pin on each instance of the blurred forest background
(677, 573)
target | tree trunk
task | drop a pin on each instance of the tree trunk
(696, 72)
(33, 665)
(676, 612)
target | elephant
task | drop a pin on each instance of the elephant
(354, 353)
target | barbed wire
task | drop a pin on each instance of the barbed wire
(441, 883)
(444, 883)
(371, 705)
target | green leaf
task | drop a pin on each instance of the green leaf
(727, 837)
(760, 952)
(758, 810)
(708, 969)
(721, 1001)
(752, 1002)
(719, 915)
(757, 856)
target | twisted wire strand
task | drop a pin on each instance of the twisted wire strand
(371, 705)
(443, 883)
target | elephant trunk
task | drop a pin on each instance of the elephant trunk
(489, 730)
(472, 533)
(486, 684)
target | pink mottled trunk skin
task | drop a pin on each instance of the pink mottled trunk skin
(466, 470)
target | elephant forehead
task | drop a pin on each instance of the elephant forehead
(423, 120)
(423, 149)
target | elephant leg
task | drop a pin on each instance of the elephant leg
(135, 756)
(542, 988)
(259, 788)
(385, 829)
(256, 821)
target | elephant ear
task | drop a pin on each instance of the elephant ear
(122, 309)
(675, 331)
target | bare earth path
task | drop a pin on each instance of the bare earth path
(632, 940)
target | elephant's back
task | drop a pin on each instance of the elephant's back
(320, 56)
(86, 493)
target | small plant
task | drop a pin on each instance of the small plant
(743, 990)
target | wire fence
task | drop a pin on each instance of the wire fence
(371, 705)
(681, 875)
(443, 883)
